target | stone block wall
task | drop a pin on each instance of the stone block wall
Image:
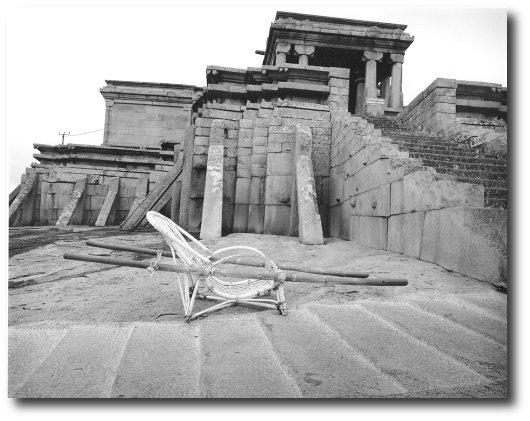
(466, 111)
(258, 162)
(144, 114)
(381, 198)
(434, 109)
(54, 186)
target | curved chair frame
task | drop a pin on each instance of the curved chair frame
(210, 287)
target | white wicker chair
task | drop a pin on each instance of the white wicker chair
(210, 287)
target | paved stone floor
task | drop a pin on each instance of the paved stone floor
(443, 336)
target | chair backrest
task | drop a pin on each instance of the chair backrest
(175, 237)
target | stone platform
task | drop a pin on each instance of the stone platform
(93, 331)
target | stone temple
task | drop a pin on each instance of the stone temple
(314, 143)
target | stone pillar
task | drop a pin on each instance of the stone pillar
(304, 52)
(108, 107)
(385, 90)
(359, 96)
(370, 79)
(282, 49)
(396, 96)
(212, 208)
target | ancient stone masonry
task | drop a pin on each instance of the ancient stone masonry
(382, 198)
(314, 143)
(475, 112)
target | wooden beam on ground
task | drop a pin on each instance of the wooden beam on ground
(135, 218)
(13, 195)
(67, 212)
(112, 193)
(25, 191)
(185, 189)
(141, 193)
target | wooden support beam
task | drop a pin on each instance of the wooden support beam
(135, 217)
(25, 191)
(67, 212)
(112, 193)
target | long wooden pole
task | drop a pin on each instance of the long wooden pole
(237, 273)
(236, 261)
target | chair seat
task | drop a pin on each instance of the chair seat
(238, 289)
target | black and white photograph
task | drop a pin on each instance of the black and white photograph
(265, 202)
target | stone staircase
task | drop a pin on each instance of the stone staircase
(453, 158)
(370, 350)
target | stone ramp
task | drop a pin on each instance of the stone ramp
(415, 347)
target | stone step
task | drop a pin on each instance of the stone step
(466, 166)
(492, 202)
(412, 362)
(82, 365)
(320, 362)
(160, 361)
(238, 361)
(412, 147)
(473, 349)
(28, 348)
(461, 314)
(464, 159)
(474, 174)
(420, 138)
(485, 182)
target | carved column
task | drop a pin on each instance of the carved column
(370, 79)
(282, 49)
(396, 95)
(304, 52)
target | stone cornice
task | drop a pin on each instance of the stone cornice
(338, 21)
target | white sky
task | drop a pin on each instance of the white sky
(58, 58)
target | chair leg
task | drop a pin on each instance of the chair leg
(211, 309)
(282, 308)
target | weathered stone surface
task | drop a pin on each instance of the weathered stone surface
(109, 202)
(280, 164)
(240, 218)
(70, 208)
(309, 223)
(476, 351)
(300, 340)
(82, 365)
(257, 191)
(256, 215)
(374, 202)
(471, 241)
(405, 232)
(213, 191)
(382, 171)
(231, 353)
(369, 231)
(424, 190)
(276, 220)
(159, 361)
(242, 191)
(278, 190)
(418, 368)
(25, 191)
(28, 349)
